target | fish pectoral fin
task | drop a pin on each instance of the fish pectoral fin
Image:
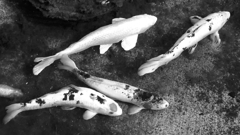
(192, 49)
(117, 20)
(67, 108)
(134, 109)
(104, 48)
(129, 43)
(88, 115)
(215, 40)
(194, 19)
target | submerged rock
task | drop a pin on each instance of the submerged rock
(76, 10)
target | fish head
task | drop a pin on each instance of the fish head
(109, 107)
(145, 21)
(217, 20)
(156, 103)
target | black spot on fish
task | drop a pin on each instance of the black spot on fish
(25, 103)
(92, 94)
(85, 75)
(210, 28)
(81, 93)
(40, 101)
(188, 31)
(70, 94)
(110, 112)
(191, 35)
(101, 100)
(174, 54)
(157, 99)
(142, 95)
(208, 20)
(78, 102)
(126, 87)
(147, 105)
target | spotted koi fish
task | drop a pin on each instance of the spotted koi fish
(125, 30)
(202, 27)
(69, 98)
(140, 98)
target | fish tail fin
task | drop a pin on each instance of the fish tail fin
(44, 62)
(12, 111)
(152, 64)
(68, 64)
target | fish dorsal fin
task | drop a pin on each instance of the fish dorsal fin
(129, 43)
(104, 48)
(88, 114)
(194, 19)
(67, 108)
(115, 20)
(134, 109)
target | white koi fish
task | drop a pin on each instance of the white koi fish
(7, 91)
(140, 98)
(125, 30)
(202, 27)
(69, 98)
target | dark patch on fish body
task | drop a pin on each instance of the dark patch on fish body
(85, 75)
(126, 87)
(101, 100)
(208, 20)
(188, 31)
(210, 28)
(40, 101)
(70, 93)
(147, 106)
(142, 95)
(113, 107)
(78, 102)
(157, 99)
(25, 103)
(191, 35)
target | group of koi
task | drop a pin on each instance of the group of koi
(101, 100)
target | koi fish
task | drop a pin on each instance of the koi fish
(125, 30)
(140, 98)
(69, 98)
(202, 27)
(7, 91)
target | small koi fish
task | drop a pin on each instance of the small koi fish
(202, 27)
(7, 91)
(69, 98)
(140, 98)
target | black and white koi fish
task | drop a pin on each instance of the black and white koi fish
(69, 98)
(202, 27)
(125, 30)
(140, 98)
(7, 91)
